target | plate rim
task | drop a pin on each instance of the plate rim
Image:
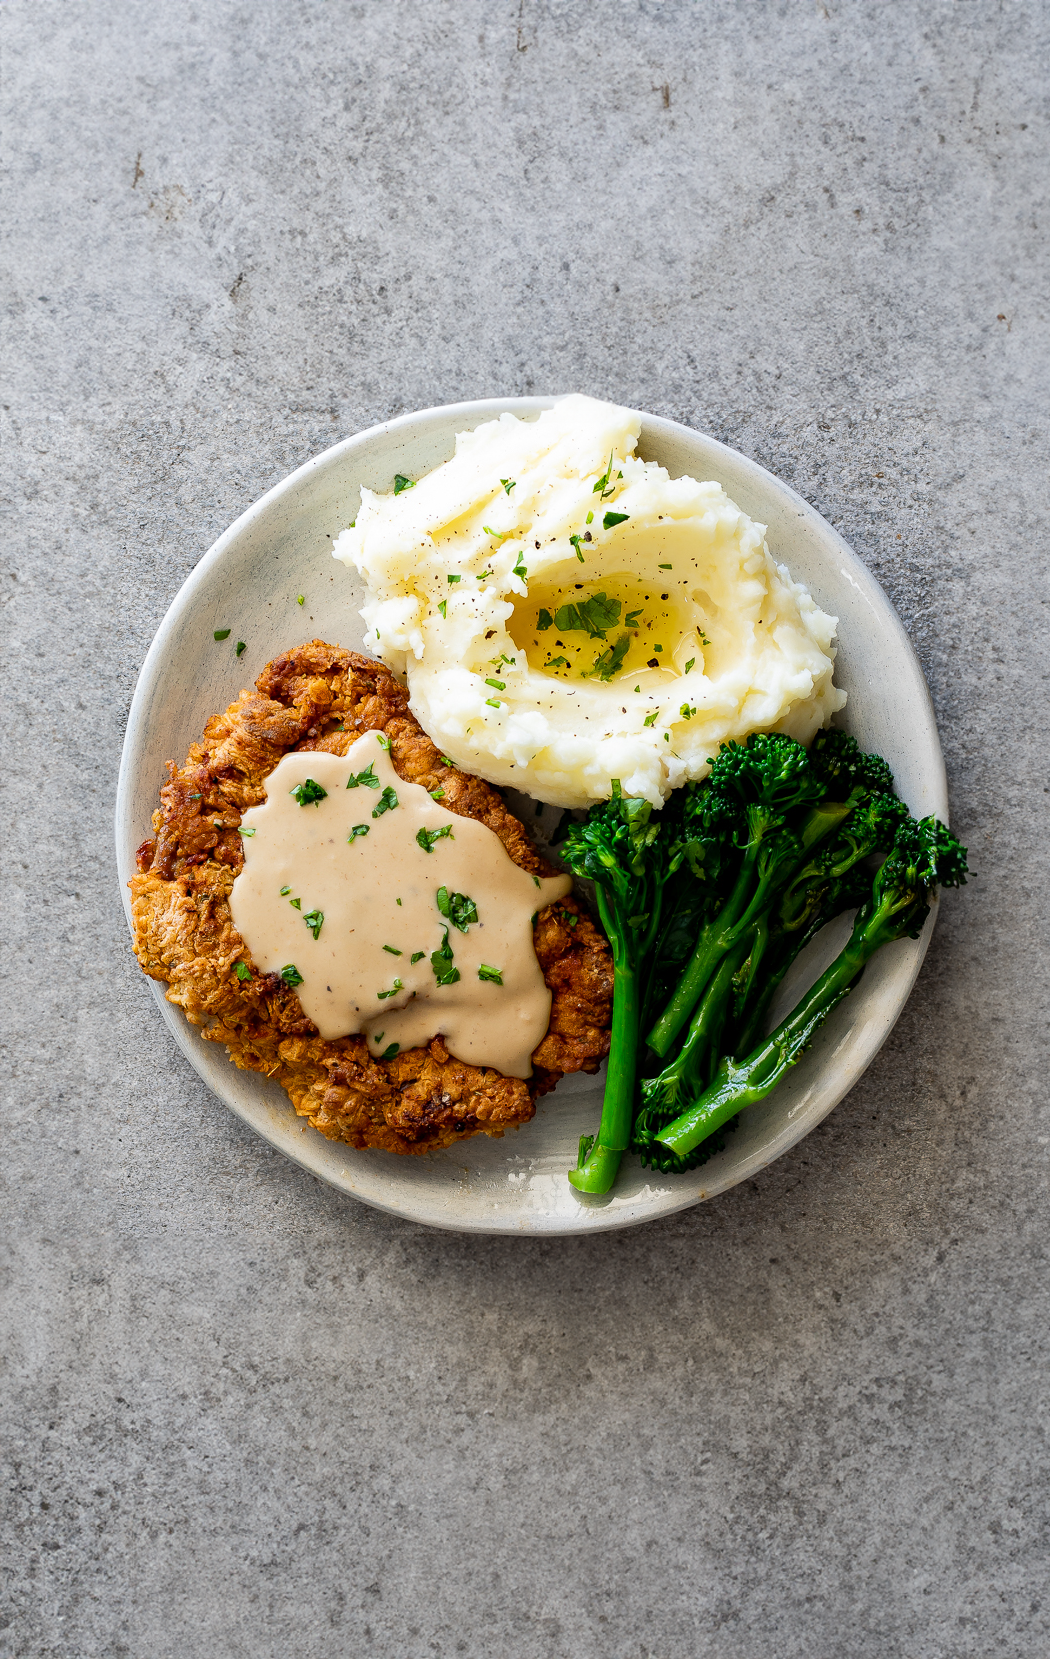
(589, 1218)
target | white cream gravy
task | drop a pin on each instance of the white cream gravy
(381, 889)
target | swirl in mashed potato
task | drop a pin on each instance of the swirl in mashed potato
(566, 614)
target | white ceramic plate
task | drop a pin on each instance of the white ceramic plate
(249, 581)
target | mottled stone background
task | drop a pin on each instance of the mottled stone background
(245, 1416)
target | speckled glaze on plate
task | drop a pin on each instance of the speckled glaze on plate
(249, 582)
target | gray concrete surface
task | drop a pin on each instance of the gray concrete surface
(243, 1416)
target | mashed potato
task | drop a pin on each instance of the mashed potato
(566, 613)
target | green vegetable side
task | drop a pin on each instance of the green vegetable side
(706, 906)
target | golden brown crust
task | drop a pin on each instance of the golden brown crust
(322, 697)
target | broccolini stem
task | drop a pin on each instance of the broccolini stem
(600, 1161)
(738, 1086)
(691, 1066)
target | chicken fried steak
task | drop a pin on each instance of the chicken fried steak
(320, 697)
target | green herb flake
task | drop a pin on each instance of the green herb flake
(686, 712)
(665, 567)
(536, 879)
(631, 619)
(296, 904)
(242, 970)
(291, 975)
(611, 660)
(222, 633)
(442, 962)
(443, 608)
(544, 621)
(389, 1052)
(591, 616)
(657, 647)
(402, 483)
(493, 703)
(382, 740)
(386, 803)
(575, 542)
(314, 920)
(285, 892)
(691, 664)
(300, 599)
(611, 520)
(367, 778)
(241, 831)
(457, 908)
(392, 950)
(309, 793)
(651, 719)
(426, 838)
(494, 976)
(508, 484)
(452, 580)
(397, 986)
(358, 829)
(558, 662)
(446, 762)
(590, 518)
(436, 794)
(601, 487)
(497, 685)
(417, 956)
(521, 569)
(240, 648)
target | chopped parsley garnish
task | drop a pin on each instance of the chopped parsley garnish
(521, 569)
(544, 621)
(222, 633)
(367, 777)
(300, 599)
(497, 685)
(241, 831)
(690, 664)
(426, 838)
(657, 647)
(382, 740)
(575, 542)
(240, 648)
(442, 962)
(631, 619)
(393, 950)
(296, 904)
(611, 660)
(686, 712)
(446, 762)
(704, 639)
(508, 484)
(457, 908)
(590, 616)
(611, 520)
(558, 662)
(482, 574)
(589, 519)
(417, 956)
(493, 703)
(493, 975)
(309, 793)
(602, 486)
(285, 892)
(389, 1052)
(358, 829)
(436, 794)
(397, 986)
(453, 579)
(242, 970)
(314, 920)
(291, 975)
(651, 719)
(443, 608)
(402, 483)
(536, 879)
(386, 803)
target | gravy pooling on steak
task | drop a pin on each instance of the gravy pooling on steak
(395, 916)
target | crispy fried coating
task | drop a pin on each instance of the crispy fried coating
(322, 697)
